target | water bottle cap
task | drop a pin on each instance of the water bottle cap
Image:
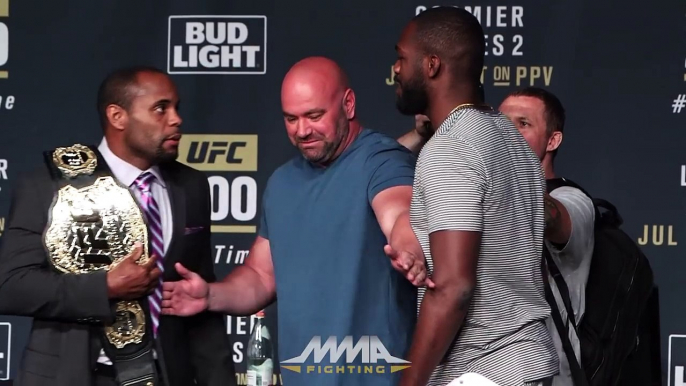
(260, 314)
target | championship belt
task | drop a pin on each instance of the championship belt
(93, 224)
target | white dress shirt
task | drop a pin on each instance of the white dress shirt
(126, 174)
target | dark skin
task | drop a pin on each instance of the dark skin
(455, 253)
(144, 134)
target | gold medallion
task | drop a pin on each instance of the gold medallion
(75, 160)
(128, 326)
(93, 228)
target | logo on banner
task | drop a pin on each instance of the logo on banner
(219, 45)
(230, 161)
(504, 36)
(375, 359)
(657, 235)
(676, 360)
(5, 346)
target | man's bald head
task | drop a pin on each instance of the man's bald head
(322, 74)
(318, 107)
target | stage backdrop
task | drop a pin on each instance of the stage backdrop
(618, 67)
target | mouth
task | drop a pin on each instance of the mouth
(174, 139)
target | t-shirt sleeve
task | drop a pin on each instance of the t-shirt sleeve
(390, 166)
(263, 230)
(453, 184)
(582, 215)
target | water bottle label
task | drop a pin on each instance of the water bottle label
(261, 377)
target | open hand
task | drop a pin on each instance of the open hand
(188, 296)
(410, 265)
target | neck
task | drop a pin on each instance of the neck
(548, 168)
(118, 148)
(446, 99)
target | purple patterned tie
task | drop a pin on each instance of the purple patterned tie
(152, 212)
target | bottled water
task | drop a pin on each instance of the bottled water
(260, 358)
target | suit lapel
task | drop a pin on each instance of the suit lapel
(177, 200)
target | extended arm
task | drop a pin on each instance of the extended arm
(29, 286)
(249, 287)
(209, 345)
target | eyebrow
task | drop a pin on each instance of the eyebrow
(308, 112)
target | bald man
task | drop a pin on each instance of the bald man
(327, 216)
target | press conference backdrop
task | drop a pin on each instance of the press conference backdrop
(619, 67)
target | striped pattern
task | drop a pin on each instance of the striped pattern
(152, 212)
(477, 173)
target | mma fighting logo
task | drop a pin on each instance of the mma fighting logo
(219, 45)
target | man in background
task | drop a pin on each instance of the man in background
(477, 209)
(138, 108)
(570, 214)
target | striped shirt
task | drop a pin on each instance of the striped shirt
(477, 173)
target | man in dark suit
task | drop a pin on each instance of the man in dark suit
(138, 110)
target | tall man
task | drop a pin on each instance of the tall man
(139, 116)
(570, 215)
(327, 215)
(477, 209)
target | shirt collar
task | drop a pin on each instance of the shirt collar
(124, 171)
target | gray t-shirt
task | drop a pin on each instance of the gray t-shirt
(574, 261)
(477, 173)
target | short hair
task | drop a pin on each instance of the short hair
(554, 111)
(453, 34)
(117, 88)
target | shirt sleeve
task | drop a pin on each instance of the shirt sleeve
(454, 182)
(582, 215)
(391, 166)
(263, 230)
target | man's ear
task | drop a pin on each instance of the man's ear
(117, 116)
(554, 141)
(349, 104)
(433, 64)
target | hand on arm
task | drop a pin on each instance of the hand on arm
(415, 139)
(392, 209)
(246, 290)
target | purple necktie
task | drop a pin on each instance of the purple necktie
(152, 212)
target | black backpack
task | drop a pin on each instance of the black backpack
(619, 285)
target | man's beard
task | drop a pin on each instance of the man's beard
(413, 98)
(326, 155)
(164, 156)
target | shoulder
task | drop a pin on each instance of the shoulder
(184, 173)
(378, 147)
(577, 203)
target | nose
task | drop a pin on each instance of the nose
(302, 129)
(396, 67)
(175, 118)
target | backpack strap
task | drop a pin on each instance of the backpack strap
(578, 376)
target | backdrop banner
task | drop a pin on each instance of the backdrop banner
(619, 68)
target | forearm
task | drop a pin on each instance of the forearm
(412, 141)
(37, 293)
(402, 236)
(440, 318)
(243, 292)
